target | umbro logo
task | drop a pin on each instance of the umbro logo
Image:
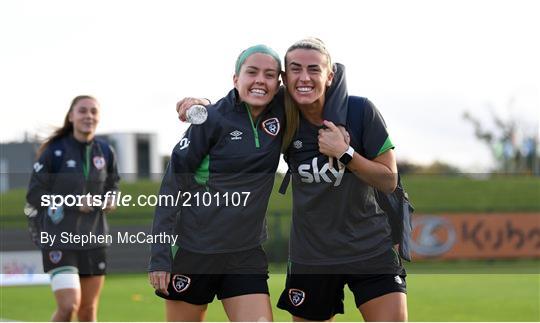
(398, 280)
(71, 163)
(58, 153)
(236, 135)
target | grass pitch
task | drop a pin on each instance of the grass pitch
(431, 297)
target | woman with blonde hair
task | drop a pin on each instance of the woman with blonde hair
(339, 235)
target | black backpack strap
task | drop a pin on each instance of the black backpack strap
(285, 182)
(287, 177)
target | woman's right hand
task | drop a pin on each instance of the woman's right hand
(183, 105)
(85, 206)
(160, 281)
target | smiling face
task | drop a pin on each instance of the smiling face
(258, 80)
(84, 116)
(307, 75)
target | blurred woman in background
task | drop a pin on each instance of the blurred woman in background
(73, 162)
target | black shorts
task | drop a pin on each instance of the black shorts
(196, 278)
(91, 262)
(317, 292)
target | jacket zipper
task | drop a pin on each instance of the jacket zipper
(254, 127)
(86, 166)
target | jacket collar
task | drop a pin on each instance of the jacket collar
(71, 139)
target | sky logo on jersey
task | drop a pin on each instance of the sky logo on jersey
(271, 126)
(296, 296)
(235, 135)
(312, 173)
(183, 144)
(180, 283)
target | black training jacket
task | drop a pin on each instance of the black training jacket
(59, 171)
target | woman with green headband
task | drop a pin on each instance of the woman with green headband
(223, 170)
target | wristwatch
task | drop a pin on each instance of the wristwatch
(347, 156)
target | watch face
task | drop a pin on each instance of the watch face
(345, 159)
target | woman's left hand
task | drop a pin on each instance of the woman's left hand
(334, 140)
(160, 281)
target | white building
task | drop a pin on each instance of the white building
(137, 158)
(137, 154)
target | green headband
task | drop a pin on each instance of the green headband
(263, 49)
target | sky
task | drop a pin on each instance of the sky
(423, 63)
